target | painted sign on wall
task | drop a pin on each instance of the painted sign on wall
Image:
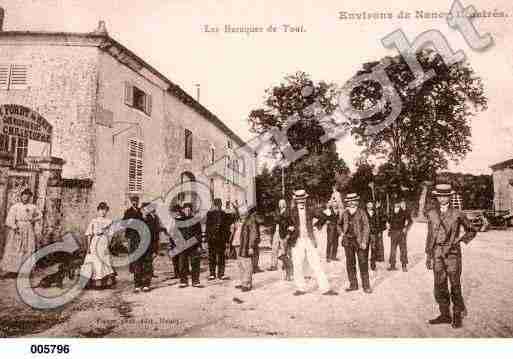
(21, 121)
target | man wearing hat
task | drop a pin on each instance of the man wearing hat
(399, 223)
(331, 217)
(189, 228)
(136, 267)
(355, 240)
(303, 243)
(443, 254)
(218, 229)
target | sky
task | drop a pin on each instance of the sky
(234, 69)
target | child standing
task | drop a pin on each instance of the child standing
(98, 256)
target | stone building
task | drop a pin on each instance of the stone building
(503, 185)
(83, 120)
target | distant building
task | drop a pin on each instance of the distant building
(503, 185)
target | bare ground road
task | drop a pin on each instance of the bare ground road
(400, 305)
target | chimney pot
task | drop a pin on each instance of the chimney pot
(101, 29)
(197, 92)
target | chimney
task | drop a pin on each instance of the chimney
(197, 92)
(2, 16)
(101, 29)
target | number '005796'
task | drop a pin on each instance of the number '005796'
(50, 349)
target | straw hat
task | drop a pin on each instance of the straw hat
(443, 189)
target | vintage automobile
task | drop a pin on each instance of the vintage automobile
(498, 219)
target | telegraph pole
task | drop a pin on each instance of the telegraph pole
(282, 182)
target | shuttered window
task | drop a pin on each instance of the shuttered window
(188, 144)
(13, 76)
(135, 166)
(4, 76)
(137, 98)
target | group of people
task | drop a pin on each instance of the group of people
(234, 234)
(360, 231)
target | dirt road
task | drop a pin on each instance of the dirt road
(399, 306)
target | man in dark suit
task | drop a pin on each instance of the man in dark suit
(376, 225)
(217, 229)
(191, 255)
(145, 263)
(331, 217)
(443, 254)
(355, 239)
(136, 267)
(399, 223)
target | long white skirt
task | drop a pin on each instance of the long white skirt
(99, 258)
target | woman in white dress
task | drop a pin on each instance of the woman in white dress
(98, 256)
(21, 238)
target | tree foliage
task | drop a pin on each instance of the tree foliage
(316, 171)
(434, 123)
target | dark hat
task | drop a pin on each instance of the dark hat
(102, 205)
(187, 204)
(26, 191)
(443, 189)
(134, 198)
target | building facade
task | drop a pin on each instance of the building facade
(503, 185)
(120, 126)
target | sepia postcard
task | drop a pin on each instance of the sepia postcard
(241, 169)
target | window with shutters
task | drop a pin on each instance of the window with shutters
(135, 166)
(188, 144)
(13, 76)
(137, 98)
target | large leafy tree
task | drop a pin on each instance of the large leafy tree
(434, 123)
(316, 170)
